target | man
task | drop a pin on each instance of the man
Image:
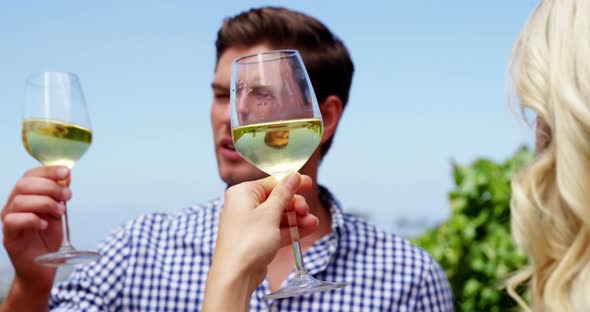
(160, 262)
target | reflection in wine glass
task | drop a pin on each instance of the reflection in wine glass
(277, 126)
(56, 131)
(277, 138)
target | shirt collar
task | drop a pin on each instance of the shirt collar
(319, 256)
(328, 200)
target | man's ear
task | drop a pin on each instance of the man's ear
(331, 110)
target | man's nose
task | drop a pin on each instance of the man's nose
(226, 113)
(243, 116)
(242, 108)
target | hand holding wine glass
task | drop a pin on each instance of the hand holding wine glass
(257, 208)
(276, 126)
(56, 131)
(31, 224)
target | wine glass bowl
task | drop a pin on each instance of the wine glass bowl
(277, 126)
(54, 142)
(276, 122)
(56, 131)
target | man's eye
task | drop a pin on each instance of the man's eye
(221, 96)
(262, 93)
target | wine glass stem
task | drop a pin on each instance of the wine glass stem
(299, 266)
(66, 244)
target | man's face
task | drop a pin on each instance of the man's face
(233, 169)
(270, 91)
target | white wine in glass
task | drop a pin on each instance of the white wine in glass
(55, 143)
(279, 147)
(56, 131)
(276, 126)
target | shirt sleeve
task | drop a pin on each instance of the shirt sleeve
(97, 286)
(435, 294)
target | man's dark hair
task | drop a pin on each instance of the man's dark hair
(326, 59)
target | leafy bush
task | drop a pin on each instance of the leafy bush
(474, 245)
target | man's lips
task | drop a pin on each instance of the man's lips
(227, 150)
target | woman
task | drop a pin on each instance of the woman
(550, 210)
(252, 228)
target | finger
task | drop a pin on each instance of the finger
(246, 194)
(306, 182)
(281, 195)
(302, 221)
(55, 173)
(36, 204)
(42, 186)
(260, 189)
(269, 183)
(15, 223)
(299, 205)
(306, 226)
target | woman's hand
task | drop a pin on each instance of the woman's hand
(253, 226)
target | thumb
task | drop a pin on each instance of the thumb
(281, 196)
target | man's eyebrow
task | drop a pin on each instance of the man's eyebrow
(219, 87)
(262, 86)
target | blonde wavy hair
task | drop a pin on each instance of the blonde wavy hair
(550, 209)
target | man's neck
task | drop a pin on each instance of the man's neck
(316, 207)
(312, 196)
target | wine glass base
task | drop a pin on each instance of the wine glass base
(298, 286)
(67, 257)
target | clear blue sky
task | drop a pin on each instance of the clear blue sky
(429, 87)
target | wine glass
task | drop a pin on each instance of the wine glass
(56, 131)
(277, 125)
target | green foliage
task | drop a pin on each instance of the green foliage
(474, 245)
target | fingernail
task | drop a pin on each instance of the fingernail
(292, 181)
(62, 172)
(67, 193)
(44, 225)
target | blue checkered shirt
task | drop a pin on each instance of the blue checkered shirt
(159, 262)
